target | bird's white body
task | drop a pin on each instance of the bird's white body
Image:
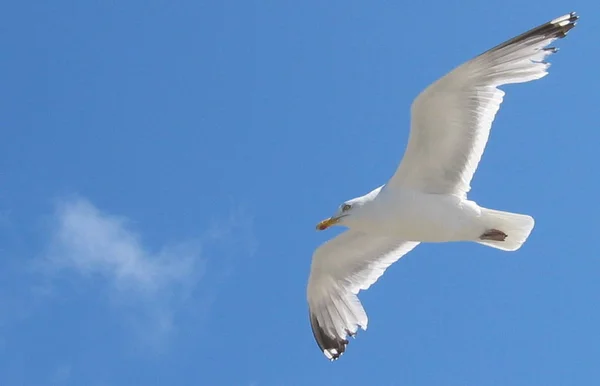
(426, 198)
(411, 215)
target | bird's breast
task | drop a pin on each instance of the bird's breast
(417, 216)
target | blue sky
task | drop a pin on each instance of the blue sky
(163, 166)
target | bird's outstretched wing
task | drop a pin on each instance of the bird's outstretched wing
(340, 268)
(451, 119)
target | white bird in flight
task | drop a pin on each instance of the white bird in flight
(426, 198)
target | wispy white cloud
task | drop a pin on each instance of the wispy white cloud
(95, 243)
(148, 286)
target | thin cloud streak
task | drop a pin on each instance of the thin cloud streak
(150, 288)
(95, 243)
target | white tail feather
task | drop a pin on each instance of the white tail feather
(516, 226)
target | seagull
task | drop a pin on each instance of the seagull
(426, 198)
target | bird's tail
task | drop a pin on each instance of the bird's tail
(506, 231)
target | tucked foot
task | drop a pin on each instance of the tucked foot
(493, 234)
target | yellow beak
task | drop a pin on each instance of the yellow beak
(327, 223)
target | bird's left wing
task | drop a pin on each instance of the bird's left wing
(340, 268)
(451, 119)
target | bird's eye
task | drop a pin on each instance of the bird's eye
(346, 207)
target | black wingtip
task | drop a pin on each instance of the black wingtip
(573, 17)
(331, 347)
(557, 29)
(564, 24)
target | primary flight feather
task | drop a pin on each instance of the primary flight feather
(426, 198)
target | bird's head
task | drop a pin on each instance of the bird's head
(342, 212)
(351, 210)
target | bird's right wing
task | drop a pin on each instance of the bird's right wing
(452, 118)
(340, 268)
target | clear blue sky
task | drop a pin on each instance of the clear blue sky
(163, 165)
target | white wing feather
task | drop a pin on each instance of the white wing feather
(341, 267)
(452, 118)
